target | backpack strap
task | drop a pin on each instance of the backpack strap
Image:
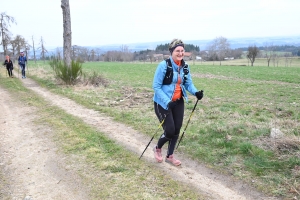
(185, 71)
(169, 73)
(168, 61)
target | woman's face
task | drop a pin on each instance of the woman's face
(178, 53)
(7, 57)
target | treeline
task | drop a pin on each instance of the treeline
(281, 48)
(187, 47)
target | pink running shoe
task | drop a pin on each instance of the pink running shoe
(172, 160)
(157, 154)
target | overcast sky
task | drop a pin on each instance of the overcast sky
(102, 22)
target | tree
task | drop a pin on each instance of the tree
(13, 44)
(5, 21)
(275, 59)
(93, 55)
(84, 53)
(223, 48)
(194, 55)
(18, 43)
(27, 49)
(67, 34)
(236, 53)
(162, 47)
(269, 52)
(75, 50)
(42, 49)
(98, 53)
(288, 59)
(220, 48)
(252, 53)
(33, 48)
(212, 53)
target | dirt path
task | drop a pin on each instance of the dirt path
(203, 179)
(28, 157)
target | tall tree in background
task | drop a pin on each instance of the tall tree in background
(93, 55)
(27, 49)
(5, 21)
(42, 49)
(34, 57)
(75, 52)
(19, 43)
(67, 31)
(252, 53)
(223, 47)
(219, 48)
(13, 45)
(269, 47)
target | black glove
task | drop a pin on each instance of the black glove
(172, 104)
(199, 95)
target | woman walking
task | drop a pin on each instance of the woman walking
(9, 66)
(171, 81)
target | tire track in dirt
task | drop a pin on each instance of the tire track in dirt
(28, 158)
(205, 180)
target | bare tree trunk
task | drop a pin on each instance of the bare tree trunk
(2, 33)
(33, 50)
(43, 49)
(3, 39)
(268, 60)
(5, 21)
(67, 32)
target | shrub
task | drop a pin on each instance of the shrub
(94, 79)
(69, 75)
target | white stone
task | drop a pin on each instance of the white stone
(276, 133)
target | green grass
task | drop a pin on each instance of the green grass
(108, 170)
(243, 102)
(295, 62)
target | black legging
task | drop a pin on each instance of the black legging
(9, 71)
(172, 124)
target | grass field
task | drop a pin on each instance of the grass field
(293, 62)
(230, 128)
(108, 170)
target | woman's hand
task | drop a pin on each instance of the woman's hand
(199, 95)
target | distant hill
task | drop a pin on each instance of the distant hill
(234, 43)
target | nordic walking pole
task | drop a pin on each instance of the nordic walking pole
(154, 135)
(187, 123)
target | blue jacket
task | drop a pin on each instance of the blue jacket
(163, 93)
(22, 60)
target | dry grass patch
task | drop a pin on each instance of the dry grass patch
(286, 146)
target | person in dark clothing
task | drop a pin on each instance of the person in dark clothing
(169, 96)
(22, 62)
(9, 66)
